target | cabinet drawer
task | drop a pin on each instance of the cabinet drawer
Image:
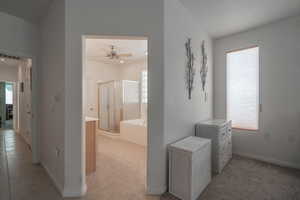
(224, 133)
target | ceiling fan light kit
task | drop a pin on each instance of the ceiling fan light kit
(114, 55)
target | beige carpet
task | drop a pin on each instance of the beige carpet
(246, 179)
(121, 171)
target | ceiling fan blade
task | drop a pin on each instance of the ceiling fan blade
(125, 55)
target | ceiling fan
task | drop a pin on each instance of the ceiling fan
(114, 55)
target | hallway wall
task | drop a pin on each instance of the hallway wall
(181, 114)
(18, 37)
(134, 18)
(52, 92)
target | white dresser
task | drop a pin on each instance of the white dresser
(219, 131)
(189, 167)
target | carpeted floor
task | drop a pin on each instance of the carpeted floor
(246, 179)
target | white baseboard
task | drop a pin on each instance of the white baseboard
(157, 190)
(270, 160)
(71, 192)
(58, 186)
(63, 190)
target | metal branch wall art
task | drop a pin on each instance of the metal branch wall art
(204, 68)
(190, 70)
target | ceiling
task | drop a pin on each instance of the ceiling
(219, 17)
(97, 49)
(29, 10)
(225, 17)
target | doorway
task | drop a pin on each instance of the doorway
(16, 91)
(115, 100)
(7, 105)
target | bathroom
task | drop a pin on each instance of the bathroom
(115, 100)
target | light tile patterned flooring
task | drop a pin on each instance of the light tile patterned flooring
(19, 178)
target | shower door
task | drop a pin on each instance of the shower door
(106, 106)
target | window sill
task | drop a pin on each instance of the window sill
(243, 130)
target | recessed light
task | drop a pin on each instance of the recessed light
(121, 61)
(3, 59)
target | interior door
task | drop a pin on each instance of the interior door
(25, 102)
(28, 106)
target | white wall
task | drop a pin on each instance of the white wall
(97, 71)
(278, 140)
(18, 36)
(8, 73)
(132, 71)
(133, 18)
(52, 92)
(181, 114)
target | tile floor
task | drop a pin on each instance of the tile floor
(121, 176)
(19, 178)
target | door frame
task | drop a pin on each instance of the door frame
(15, 104)
(34, 103)
(83, 111)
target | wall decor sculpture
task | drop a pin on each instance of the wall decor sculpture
(204, 68)
(190, 70)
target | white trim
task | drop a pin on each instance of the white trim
(156, 190)
(65, 192)
(73, 192)
(58, 186)
(270, 160)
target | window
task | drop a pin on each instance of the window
(8, 93)
(243, 88)
(144, 86)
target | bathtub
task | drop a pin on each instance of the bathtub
(134, 131)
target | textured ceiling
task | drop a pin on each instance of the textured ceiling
(225, 17)
(29, 10)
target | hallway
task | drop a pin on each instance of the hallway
(20, 179)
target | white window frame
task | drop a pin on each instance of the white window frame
(259, 86)
(142, 86)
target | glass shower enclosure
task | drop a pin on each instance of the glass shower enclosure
(118, 101)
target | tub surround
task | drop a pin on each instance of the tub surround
(134, 131)
(88, 119)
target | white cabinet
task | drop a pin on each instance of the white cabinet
(219, 131)
(189, 167)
